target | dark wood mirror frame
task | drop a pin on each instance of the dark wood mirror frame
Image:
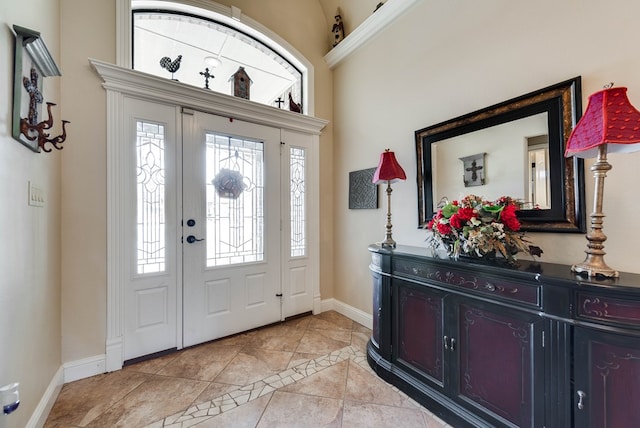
(563, 104)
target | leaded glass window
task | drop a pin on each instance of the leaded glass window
(234, 200)
(150, 197)
(297, 181)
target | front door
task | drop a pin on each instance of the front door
(210, 228)
(231, 226)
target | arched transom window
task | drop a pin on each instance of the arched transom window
(214, 55)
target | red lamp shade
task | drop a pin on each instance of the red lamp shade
(388, 169)
(609, 119)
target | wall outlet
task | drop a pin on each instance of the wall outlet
(10, 397)
(36, 195)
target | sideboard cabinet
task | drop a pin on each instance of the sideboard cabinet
(490, 344)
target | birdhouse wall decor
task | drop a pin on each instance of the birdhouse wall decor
(338, 29)
(241, 84)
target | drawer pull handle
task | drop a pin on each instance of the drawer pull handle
(581, 396)
(453, 344)
(446, 343)
(489, 286)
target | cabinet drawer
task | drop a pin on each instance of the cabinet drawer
(489, 286)
(609, 309)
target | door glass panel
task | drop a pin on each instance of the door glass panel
(298, 213)
(151, 227)
(234, 200)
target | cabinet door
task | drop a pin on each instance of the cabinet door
(606, 380)
(377, 308)
(418, 336)
(498, 366)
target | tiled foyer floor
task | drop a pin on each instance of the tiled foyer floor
(307, 372)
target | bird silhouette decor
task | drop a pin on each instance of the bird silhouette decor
(293, 106)
(171, 66)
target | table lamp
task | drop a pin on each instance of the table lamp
(610, 123)
(388, 170)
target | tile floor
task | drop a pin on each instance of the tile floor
(307, 372)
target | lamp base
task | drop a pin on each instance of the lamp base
(388, 243)
(594, 266)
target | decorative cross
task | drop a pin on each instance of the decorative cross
(474, 169)
(35, 96)
(207, 76)
(279, 101)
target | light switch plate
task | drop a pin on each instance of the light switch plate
(36, 195)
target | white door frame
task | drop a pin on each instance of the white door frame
(120, 82)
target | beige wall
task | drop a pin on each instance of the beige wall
(301, 23)
(30, 236)
(440, 60)
(445, 59)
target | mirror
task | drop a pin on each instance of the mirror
(515, 148)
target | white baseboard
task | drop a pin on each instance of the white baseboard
(40, 414)
(83, 368)
(348, 311)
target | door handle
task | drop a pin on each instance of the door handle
(191, 239)
(581, 397)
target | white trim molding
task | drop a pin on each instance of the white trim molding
(84, 368)
(373, 25)
(146, 86)
(355, 314)
(48, 399)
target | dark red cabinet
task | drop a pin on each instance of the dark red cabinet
(482, 356)
(607, 380)
(495, 345)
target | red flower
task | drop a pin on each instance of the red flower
(430, 224)
(443, 228)
(467, 214)
(509, 218)
(456, 221)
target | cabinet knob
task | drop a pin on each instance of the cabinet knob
(581, 397)
(489, 286)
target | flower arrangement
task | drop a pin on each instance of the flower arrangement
(480, 228)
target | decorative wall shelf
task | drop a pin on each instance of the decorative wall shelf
(374, 24)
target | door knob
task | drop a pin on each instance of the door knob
(191, 222)
(191, 239)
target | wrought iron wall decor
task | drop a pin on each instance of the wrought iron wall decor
(33, 62)
(363, 194)
(473, 172)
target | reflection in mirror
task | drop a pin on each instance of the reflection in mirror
(506, 169)
(538, 187)
(515, 148)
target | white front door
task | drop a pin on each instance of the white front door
(231, 226)
(212, 232)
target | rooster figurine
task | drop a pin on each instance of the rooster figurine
(293, 106)
(171, 66)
